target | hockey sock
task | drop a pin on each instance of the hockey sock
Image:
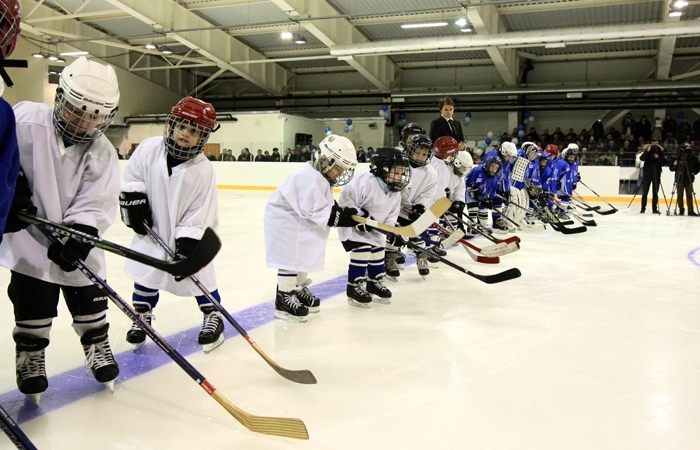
(375, 269)
(286, 280)
(145, 297)
(434, 236)
(359, 259)
(205, 303)
(303, 279)
(36, 328)
(484, 218)
(83, 324)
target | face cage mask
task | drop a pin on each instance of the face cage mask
(180, 152)
(325, 166)
(65, 119)
(398, 186)
(415, 163)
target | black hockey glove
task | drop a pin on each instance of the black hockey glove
(558, 185)
(22, 201)
(363, 227)
(396, 240)
(488, 203)
(573, 186)
(578, 177)
(417, 210)
(534, 191)
(66, 255)
(457, 208)
(184, 248)
(506, 196)
(342, 217)
(474, 193)
(135, 209)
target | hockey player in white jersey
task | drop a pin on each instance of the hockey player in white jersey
(171, 185)
(461, 164)
(377, 194)
(298, 217)
(445, 148)
(72, 173)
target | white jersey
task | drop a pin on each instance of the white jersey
(456, 187)
(296, 222)
(366, 191)
(443, 177)
(78, 184)
(183, 205)
(421, 190)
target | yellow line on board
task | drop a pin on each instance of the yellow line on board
(256, 188)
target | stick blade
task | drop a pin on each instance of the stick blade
(274, 426)
(298, 376)
(203, 254)
(499, 277)
(607, 213)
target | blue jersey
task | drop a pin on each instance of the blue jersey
(546, 175)
(562, 174)
(9, 161)
(532, 173)
(487, 186)
(504, 177)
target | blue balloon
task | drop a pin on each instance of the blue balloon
(346, 129)
(469, 115)
(681, 114)
(526, 121)
(385, 107)
(521, 133)
(528, 114)
(387, 115)
(327, 129)
(488, 141)
(349, 122)
(521, 127)
(499, 135)
(483, 147)
(402, 116)
(402, 122)
(465, 123)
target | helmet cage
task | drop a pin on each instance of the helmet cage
(384, 162)
(410, 129)
(331, 153)
(70, 119)
(462, 159)
(531, 150)
(10, 18)
(419, 142)
(175, 125)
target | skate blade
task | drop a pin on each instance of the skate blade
(110, 385)
(282, 315)
(35, 398)
(357, 304)
(394, 279)
(424, 277)
(314, 309)
(433, 265)
(380, 300)
(138, 346)
(210, 347)
(401, 266)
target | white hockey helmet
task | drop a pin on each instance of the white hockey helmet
(568, 152)
(338, 151)
(508, 149)
(530, 149)
(86, 101)
(462, 163)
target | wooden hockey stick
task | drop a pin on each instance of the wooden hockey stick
(500, 248)
(298, 376)
(488, 279)
(14, 432)
(467, 245)
(418, 226)
(285, 427)
(202, 255)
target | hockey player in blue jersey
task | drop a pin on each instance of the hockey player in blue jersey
(482, 185)
(505, 154)
(520, 188)
(564, 178)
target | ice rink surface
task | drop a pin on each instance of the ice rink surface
(596, 346)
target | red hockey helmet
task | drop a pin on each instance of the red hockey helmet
(193, 119)
(10, 18)
(552, 150)
(446, 147)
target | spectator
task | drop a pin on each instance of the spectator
(558, 135)
(643, 129)
(221, 155)
(571, 135)
(245, 155)
(210, 156)
(532, 136)
(266, 156)
(654, 159)
(615, 134)
(304, 156)
(295, 156)
(545, 137)
(658, 127)
(603, 160)
(669, 126)
(259, 157)
(598, 129)
(361, 157)
(639, 164)
(696, 129)
(628, 125)
(625, 158)
(287, 155)
(686, 166)
(684, 129)
(370, 153)
(228, 155)
(275, 157)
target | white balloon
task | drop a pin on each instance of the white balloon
(350, 127)
(381, 113)
(532, 119)
(489, 134)
(478, 151)
(329, 132)
(467, 119)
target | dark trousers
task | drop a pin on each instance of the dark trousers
(650, 179)
(688, 188)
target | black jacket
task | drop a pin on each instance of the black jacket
(685, 176)
(439, 128)
(652, 165)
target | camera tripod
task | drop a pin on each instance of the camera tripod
(683, 173)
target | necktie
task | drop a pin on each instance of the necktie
(452, 127)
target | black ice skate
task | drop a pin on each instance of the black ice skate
(379, 292)
(136, 335)
(391, 267)
(422, 264)
(30, 361)
(212, 334)
(307, 298)
(400, 260)
(358, 296)
(288, 307)
(501, 226)
(98, 356)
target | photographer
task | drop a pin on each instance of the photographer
(653, 157)
(686, 166)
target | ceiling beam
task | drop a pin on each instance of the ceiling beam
(664, 57)
(485, 21)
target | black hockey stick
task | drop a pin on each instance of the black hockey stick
(595, 209)
(488, 279)
(588, 223)
(14, 432)
(557, 225)
(298, 376)
(598, 195)
(202, 255)
(285, 427)
(532, 229)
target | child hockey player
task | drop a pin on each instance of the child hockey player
(297, 220)
(461, 165)
(171, 185)
(445, 148)
(482, 185)
(415, 199)
(505, 153)
(518, 191)
(378, 194)
(72, 175)
(564, 178)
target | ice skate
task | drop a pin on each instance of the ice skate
(422, 264)
(379, 292)
(289, 308)
(136, 335)
(358, 296)
(563, 216)
(212, 334)
(30, 362)
(391, 266)
(500, 226)
(307, 298)
(400, 260)
(98, 356)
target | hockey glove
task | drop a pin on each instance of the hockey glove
(488, 203)
(66, 255)
(184, 248)
(396, 240)
(342, 217)
(20, 202)
(558, 185)
(416, 211)
(506, 196)
(457, 208)
(363, 227)
(573, 186)
(578, 177)
(135, 209)
(474, 193)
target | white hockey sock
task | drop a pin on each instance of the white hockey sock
(83, 324)
(286, 280)
(36, 328)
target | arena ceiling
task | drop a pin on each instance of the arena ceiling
(360, 52)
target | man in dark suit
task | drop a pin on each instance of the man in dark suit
(445, 125)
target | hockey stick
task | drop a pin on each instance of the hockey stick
(598, 195)
(532, 229)
(276, 426)
(467, 245)
(14, 432)
(451, 239)
(595, 209)
(298, 376)
(418, 226)
(554, 221)
(588, 223)
(501, 247)
(488, 279)
(202, 255)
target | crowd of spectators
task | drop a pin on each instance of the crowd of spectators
(290, 155)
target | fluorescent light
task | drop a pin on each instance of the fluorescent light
(298, 39)
(60, 60)
(53, 58)
(555, 45)
(150, 46)
(74, 53)
(164, 50)
(680, 4)
(424, 25)
(462, 21)
(38, 55)
(466, 30)
(286, 35)
(675, 14)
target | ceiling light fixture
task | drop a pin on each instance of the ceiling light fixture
(150, 46)
(462, 21)
(38, 55)
(555, 45)
(60, 60)
(52, 58)
(164, 50)
(298, 39)
(675, 13)
(74, 53)
(466, 30)
(287, 34)
(680, 4)
(424, 25)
